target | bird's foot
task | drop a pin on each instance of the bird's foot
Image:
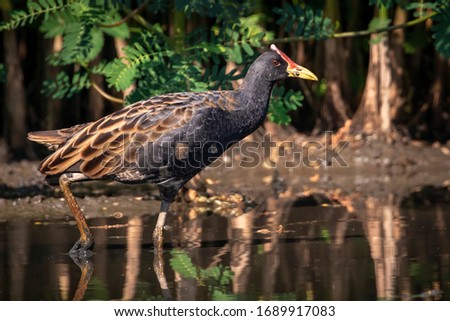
(82, 248)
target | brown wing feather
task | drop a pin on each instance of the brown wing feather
(53, 139)
(102, 147)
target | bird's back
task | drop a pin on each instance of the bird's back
(144, 141)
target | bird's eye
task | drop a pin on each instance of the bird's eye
(276, 63)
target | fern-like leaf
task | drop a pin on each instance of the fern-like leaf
(122, 72)
(36, 9)
(57, 23)
(82, 42)
(182, 263)
(65, 86)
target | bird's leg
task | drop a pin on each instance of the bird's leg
(159, 227)
(158, 231)
(158, 261)
(86, 242)
(87, 269)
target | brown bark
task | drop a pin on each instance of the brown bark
(53, 106)
(373, 114)
(335, 110)
(396, 41)
(438, 123)
(383, 96)
(15, 103)
(96, 100)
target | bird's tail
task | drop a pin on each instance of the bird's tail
(53, 139)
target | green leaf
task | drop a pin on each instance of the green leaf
(237, 54)
(20, 18)
(82, 42)
(57, 23)
(120, 75)
(182, 264)
(441, 30)
(121, 31)
(65, 86)
(375, 24)
(248, 50)
(220, 274)
(281, 103)
(379, 23)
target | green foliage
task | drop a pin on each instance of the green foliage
(193, 60)
(182, 264)
(325, 235)
(243, 36)
(66, 86)
(282, 103)
(216, 278)
(304, 22)
(153, 61)
(222, 10)
(421, 7)
(441, 29)
(378, 23)
(36, 9)
(121, 72)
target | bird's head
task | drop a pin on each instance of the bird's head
(277, 66)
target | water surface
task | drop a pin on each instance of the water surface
(395, 250)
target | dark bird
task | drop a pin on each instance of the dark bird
(165, 140)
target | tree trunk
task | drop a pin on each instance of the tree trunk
(374, 105)
(382, 94)
(396, 42)
(53, 106)
(96, 100)
(334, 109)
(15, 104)
(438, 123)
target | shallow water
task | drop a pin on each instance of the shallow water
(288, 250)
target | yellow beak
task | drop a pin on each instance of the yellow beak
(297, 71)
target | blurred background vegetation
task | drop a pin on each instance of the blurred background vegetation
(383, 65)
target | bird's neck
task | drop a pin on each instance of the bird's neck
(255, 95)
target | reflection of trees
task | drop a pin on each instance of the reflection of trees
(241, 231)
(18, 236)
(133, 257)
(385, 232)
